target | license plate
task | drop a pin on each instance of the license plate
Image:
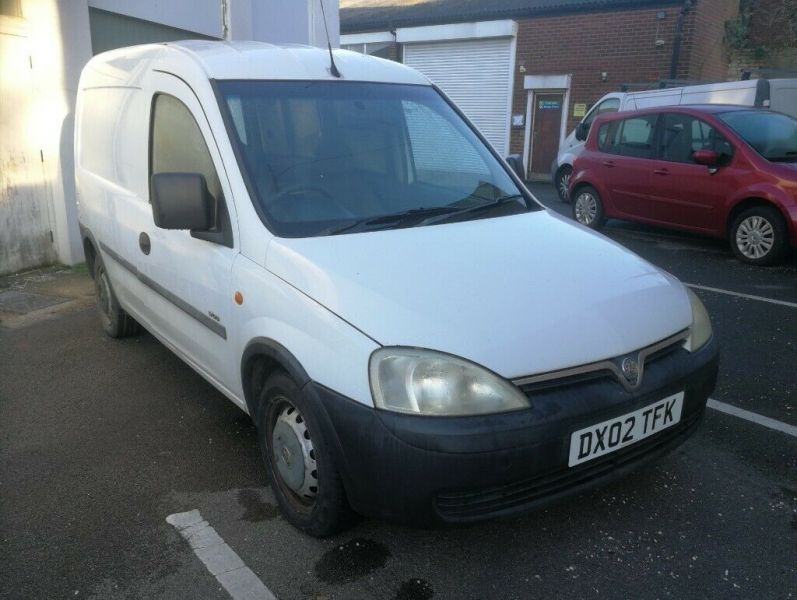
(608, 436)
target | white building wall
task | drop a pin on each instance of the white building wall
(201, 16)
(36, 129)
(286, 21)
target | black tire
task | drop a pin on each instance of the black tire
(561, 180)
(114, 320)
(758, 236)
(588, 207)
(327, 511)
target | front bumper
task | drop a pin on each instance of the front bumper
(554, 168)
(426, 470)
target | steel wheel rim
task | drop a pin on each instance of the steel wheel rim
(586, 208)
(293, 453)
(564, 185)
(104, 299)
(755, 237)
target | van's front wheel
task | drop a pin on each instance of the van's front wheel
(298, 456)
(562, 182)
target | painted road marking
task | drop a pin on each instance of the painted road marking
(221, 560)
(740, 295)
(752, 417)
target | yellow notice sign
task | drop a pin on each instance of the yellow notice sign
(579, 110)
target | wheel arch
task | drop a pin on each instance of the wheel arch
(262, 357)
(580, 185)
(89, 249)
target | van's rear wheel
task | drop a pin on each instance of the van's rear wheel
(588, 207)
(758, 236)
(114, 320)
(299, 459)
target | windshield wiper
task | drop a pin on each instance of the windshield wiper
(477, 208)
(415, 216)
(788, 157)
(405, 217)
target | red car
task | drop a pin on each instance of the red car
(724, 171)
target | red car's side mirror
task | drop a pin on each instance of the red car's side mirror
(706, 157)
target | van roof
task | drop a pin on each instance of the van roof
(680, 108)
(259, 60)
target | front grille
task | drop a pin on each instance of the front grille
(469, 505)
(604, 370)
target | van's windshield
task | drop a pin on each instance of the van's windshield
(773, 135)
(324, 158)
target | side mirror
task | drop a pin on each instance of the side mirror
(516, 163)
(182, 201)
(582, 130)
(706, 157)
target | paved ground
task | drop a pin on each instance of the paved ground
(101, 440)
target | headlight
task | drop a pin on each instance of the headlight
(425, 382)
(700, 331)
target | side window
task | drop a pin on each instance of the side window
(608, 105)
(682, 135)
(177, 146)
(636, 137)
(608, 140)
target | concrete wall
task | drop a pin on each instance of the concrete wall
(58, 45)
(303, 21)
(41, 57)
(201, 16)
(25, 219)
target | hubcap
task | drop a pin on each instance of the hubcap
(755, 237)
(294, 455)
(564, 185)
(586, 208)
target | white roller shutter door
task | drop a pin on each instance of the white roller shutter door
(476, 75)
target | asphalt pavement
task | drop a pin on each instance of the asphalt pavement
(101, 440)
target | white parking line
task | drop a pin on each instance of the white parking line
(220, 560)
(752, 417)
(740, 295)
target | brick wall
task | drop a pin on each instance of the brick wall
(769, 24)
(705, 56)
(630, 46)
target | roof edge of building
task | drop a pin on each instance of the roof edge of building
(389, 24)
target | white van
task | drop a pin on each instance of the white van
(777, 94)
(350, 263)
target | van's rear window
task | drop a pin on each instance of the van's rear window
(332, 157)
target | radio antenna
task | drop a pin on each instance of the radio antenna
(332, 68)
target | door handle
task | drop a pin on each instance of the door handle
(144, 243)
(661, 172)
(608, 163)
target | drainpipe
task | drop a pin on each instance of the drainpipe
(679, 36)
(225, 20)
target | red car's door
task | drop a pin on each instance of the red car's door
(689, 194)
(627, 166)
